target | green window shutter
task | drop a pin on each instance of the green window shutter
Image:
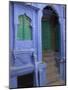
(27, 30)
(20, 28)
(24, 28)
(20, 32)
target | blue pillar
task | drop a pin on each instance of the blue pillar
(42, 74)
(62, 61)
(13, 82)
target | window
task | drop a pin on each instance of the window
(24, 28)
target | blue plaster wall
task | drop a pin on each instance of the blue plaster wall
(35, 13)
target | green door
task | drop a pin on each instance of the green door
(50, 35)
(46, 35)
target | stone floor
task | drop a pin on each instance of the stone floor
(52, 70)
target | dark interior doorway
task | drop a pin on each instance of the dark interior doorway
(50, 30)
(51, 43)
(25, 81)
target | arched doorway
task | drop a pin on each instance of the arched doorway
(50, 42)
(50, 30)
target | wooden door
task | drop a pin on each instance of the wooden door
(50, 35)
(46, 35)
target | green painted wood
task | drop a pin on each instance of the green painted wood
(46, 35)
(27, 30)
(24, 28)
(50, 36)
(20, 31)
(20, 35)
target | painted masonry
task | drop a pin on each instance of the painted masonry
(28, 43)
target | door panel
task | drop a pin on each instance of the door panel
(46, 35)
(50, 36)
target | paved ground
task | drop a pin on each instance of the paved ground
(52, 70)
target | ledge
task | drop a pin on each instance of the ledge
(21, 70)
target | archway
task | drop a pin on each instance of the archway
(50, 42)
(50, 30)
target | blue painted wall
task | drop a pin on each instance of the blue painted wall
(34, 11)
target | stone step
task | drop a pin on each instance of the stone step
(51, 63)
(52, 77)
(51, 71)
(49, 54)
(57, 82)
(48, 59)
